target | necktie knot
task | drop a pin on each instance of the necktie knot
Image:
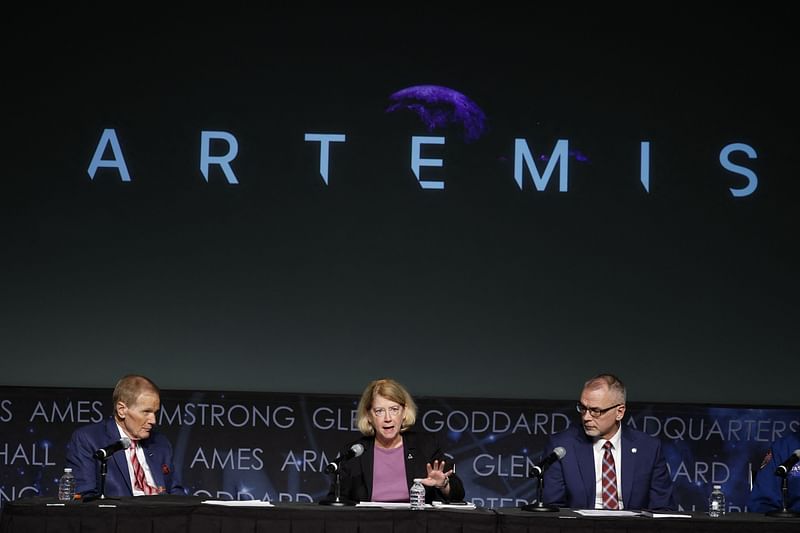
(608, 445)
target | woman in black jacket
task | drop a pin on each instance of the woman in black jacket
(393, 454)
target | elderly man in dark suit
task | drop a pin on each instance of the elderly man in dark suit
(143, 469)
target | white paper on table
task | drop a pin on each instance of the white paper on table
(442, 505)
(239, 503)
(658, 514)
(389, 505)
(605, 512)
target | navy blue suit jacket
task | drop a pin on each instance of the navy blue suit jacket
(646, 483)
(766, 494)
(88, 439)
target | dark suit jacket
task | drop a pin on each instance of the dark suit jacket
(646, 484)
(418, 449)
(88, 439)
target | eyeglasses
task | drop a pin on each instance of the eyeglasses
(393, 410)
(596, 412)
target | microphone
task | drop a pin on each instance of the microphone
(104, 453)
(555, 455)
(788, 464)
(354, 451)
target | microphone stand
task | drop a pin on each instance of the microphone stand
(101, 495)
(539, 506)
(103, 472)
(784, 512)
(337, 500)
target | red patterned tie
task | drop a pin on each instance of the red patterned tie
(140, 482)
(610, 498)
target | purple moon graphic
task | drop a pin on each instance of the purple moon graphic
(439, 107)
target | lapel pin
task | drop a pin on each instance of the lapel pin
(633, 450)
(410, 456)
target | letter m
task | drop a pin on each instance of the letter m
(560, 154)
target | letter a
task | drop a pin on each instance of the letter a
(109, 137)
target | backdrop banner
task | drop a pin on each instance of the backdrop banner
(270, 446)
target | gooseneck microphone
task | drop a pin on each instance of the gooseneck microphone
(354, 451)
(538, 469)
(788, 464)
(104, 453)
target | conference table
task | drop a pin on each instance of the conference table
(174, 514)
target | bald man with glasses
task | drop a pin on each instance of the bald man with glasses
(607, 466)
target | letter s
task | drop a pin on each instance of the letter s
(738, 169)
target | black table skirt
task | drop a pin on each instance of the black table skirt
(173, 514)
(310, 518)
(518, 521)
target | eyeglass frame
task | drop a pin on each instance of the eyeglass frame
(393, 411)
(594, 412)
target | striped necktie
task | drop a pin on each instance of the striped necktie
(610, 497)
(139, 480)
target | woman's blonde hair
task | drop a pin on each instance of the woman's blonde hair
(391, 390)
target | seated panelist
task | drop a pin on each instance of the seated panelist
(394, 454)
(766, 494)
(146, 467)
(607, 465)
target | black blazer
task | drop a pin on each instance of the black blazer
(418, 449)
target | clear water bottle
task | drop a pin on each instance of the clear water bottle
(66, 485)
(716, 502)
(417, 495)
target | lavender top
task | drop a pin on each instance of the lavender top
(389, 476)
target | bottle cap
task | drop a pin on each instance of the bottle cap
(719, 487)
(67, 470)
(417, 480)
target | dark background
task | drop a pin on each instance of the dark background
(281, 283)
